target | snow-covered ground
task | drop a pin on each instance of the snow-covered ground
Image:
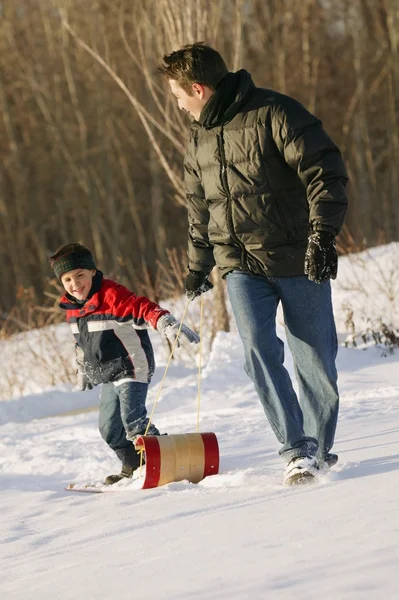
(236, 535)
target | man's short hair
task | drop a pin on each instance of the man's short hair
(194, 63)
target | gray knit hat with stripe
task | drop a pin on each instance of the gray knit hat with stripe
(70, 257)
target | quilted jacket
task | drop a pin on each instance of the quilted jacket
(110, 329)
(260, 174)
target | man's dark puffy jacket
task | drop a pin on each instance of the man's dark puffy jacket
(260, 174)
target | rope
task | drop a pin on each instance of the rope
(200, 363)
(141, 451)
(167, 367)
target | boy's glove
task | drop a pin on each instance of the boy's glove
(83, 382)
(321, 260)
(197, 283)
(168, 326)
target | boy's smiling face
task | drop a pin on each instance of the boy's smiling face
(78, 282)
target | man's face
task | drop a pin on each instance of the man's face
(192, 104)
(78, 282)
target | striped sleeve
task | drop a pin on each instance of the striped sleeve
(144, 312)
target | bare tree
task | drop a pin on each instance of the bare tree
(91, 142)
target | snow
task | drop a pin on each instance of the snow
(236, 535)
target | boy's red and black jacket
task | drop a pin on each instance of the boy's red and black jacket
(110, 328)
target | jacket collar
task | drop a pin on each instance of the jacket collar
(230, 95)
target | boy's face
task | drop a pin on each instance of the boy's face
(192, 104)
(78, 282)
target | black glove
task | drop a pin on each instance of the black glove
(197, 283)
(321, 260)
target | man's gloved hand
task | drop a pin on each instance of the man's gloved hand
(83, 382)
(321, 260)
(197, 283)
(168, 326)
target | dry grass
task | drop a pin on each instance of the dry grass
(369, 283)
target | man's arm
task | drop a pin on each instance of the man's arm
(200, 250)
(306, 147)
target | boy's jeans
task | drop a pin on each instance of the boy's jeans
(307, 428)
(123, 413)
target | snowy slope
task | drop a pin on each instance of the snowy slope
(237, 535)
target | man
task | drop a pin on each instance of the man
(266, 198)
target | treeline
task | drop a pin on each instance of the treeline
(91, 141)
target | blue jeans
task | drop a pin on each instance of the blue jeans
(123, 416)
(307, 427)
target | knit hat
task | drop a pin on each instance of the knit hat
(70, 257)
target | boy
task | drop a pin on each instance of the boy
(109, 323)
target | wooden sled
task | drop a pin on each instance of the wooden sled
(168, 458)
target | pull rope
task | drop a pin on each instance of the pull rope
(167, 367)
(200, 362)
(141, 451)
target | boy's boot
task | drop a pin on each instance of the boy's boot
(130, 462)
(126, 472)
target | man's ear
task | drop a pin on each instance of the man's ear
(198, 90)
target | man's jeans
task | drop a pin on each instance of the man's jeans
(307, 427)
(123, 416)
